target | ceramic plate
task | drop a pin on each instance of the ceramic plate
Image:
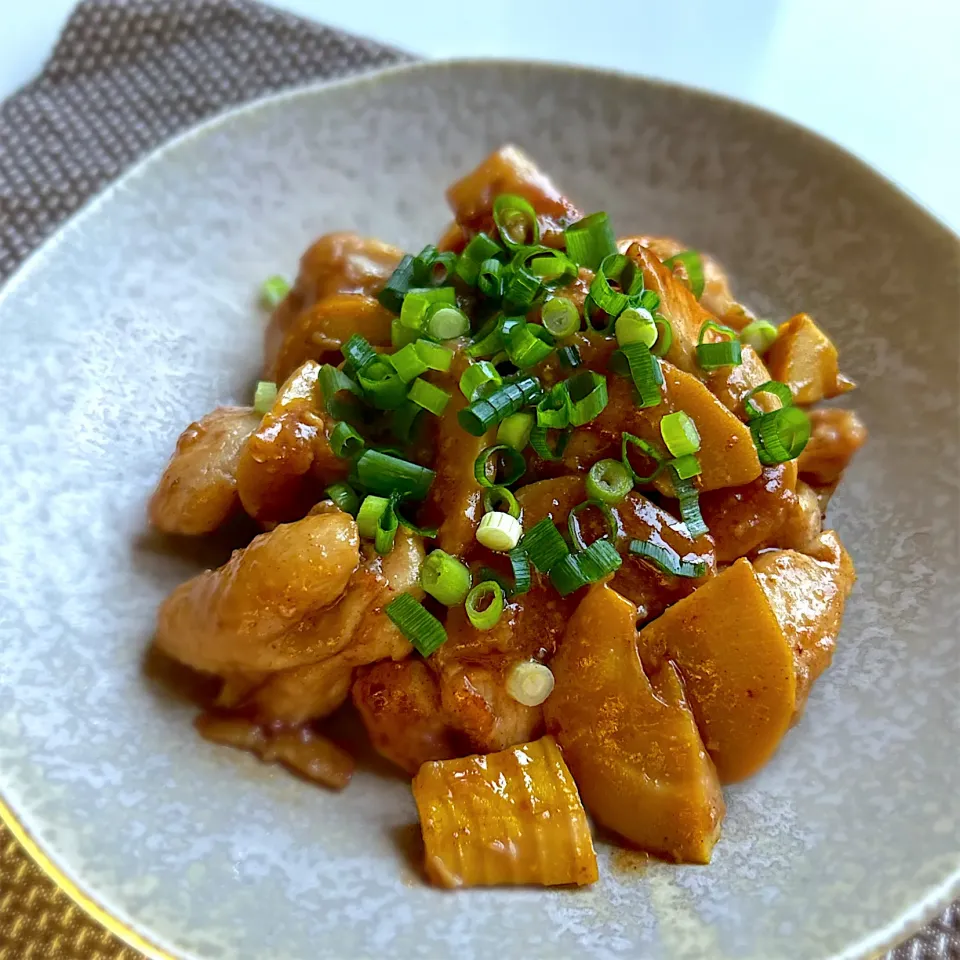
(139, 316)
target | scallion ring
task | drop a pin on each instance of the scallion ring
(590, 240)
(417, 624)
(573, 522)
(516, 221)
(667, 559)
(484, 604)
(779, 390)
(544, 545)
(264, 396)
(445, 578)
(626, 441)
(680, 433)
(617, 279)
(587, 396)
(540, 441)
(345, 442)
(498, 497)
(692, 264)
(759, 334)
(609, 481)
(636, 326)
(345, 497)
(560, 316)
(780, 435)
(515, 430)
(273, 290)
(485, 466)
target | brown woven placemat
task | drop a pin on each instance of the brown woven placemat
(125, 76)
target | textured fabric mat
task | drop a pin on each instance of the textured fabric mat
(125, 76)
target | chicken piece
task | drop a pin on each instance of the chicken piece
(198, 490)
(808, 594)
(288, 461)
(731, 384)
(354, 633)
(805, 359)
(836, 435)
(509, 170)
(716, 296)
(399, 703)
(318, 332)
(300, 749)
(728, 455)
(630, 738)
(637, 518)
(803, 522)
(335, 263)
(506, 818)
(258, 611)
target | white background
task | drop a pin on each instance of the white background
(880, 77)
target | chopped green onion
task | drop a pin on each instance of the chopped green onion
(553, 411)
(386, 530)
(667, 559)
(507, 399)
(417, 624)
(515, 430)
(780, 390)
(264, 396)
(447, 323)
(780, 435)
(680, 433)
(627, 440)
(490, 278)
(401, 335)
(560, 316)
(382, 386)
(590, 240)
(431, 267)
(484, 604)
(543, 545)
(427, 532)
(540, 441)
(609, 481)
(664, 336)
(332, 382)
(520, 564)
(530, 683)
(570, 356)
(552, 268)
(590, 565)
(476, 375)
(387, 475)
(587, 396)
(485, 466)
(346, 442)
(345, 497)
(516, 220)
(686, 467)
(692, 264)
(408, 363)
(499, 531)
(369, 514)
(620, 270)
(649, 300)
(413, 312)
(760, 334)
(590, 310)
(520, 289)
(405, 421)
(645, 373)
(496, 498)
(425, 394)
(395, 289)
(689, 505)
(489, 339)
(726, 353)
(358, 353)
(435, 356)
(480, 248)
(573, 522)
(445, 578)
(636, 326)
(273, 290)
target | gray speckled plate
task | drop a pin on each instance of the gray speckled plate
(138, 317)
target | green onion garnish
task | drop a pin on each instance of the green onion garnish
(480, 248)
(445, 578)
(386, 530)
(516, 220)
(428, 532)
(264, 396)
(484, 604)
(587, 397)
(560, 316)
(553, 411)
(401, 335)
(573, 522)
(333, 382)
(578, 569)
(645, 373)
(621, 271)
(418, 625)
(520, 564)
(609, 481)
(626, 441)
(358, 352)
(515, 430)
(395, 289)
(664, 336)
(780, 435)
(485, 466)
(483, 413)
(447, 323)
(760, 334)
(408, 363)
(405, 421)
(344, 496)
(526, 343)
(431, 267)
(692, 263)
(413, 312)
(551, 267)
(435, 356)
(273, 290)
(590, 240)
(689, 499)
(499, 531)
(369, 514)
(346, 442)
(649, 300)
(593, 314)
(667, 559)
(543, 545)
(386, 475)
(476, 375)
(570, 357)
(540, 441)
(496, 498)
(425, 394)
(780, 390)
(490, 278)
(636, 326)
(686, 467)
(489, 340)
(680, 433)
(520, 289)
(712, 356)
(381, 385)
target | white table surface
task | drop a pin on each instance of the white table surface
(880, 77)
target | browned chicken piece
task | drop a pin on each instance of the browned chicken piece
(639, 580)
(300, 749)
(318, 332)
(716, 296)
(802, 527)
(805, 359)
(835, 437)
(336, 263)
(509, 170)
(399, 703)
(287, 462)
(198, 490)
(808, 594)
(731, 384)
(259, 610)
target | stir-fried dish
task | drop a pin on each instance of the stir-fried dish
(547, 505)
